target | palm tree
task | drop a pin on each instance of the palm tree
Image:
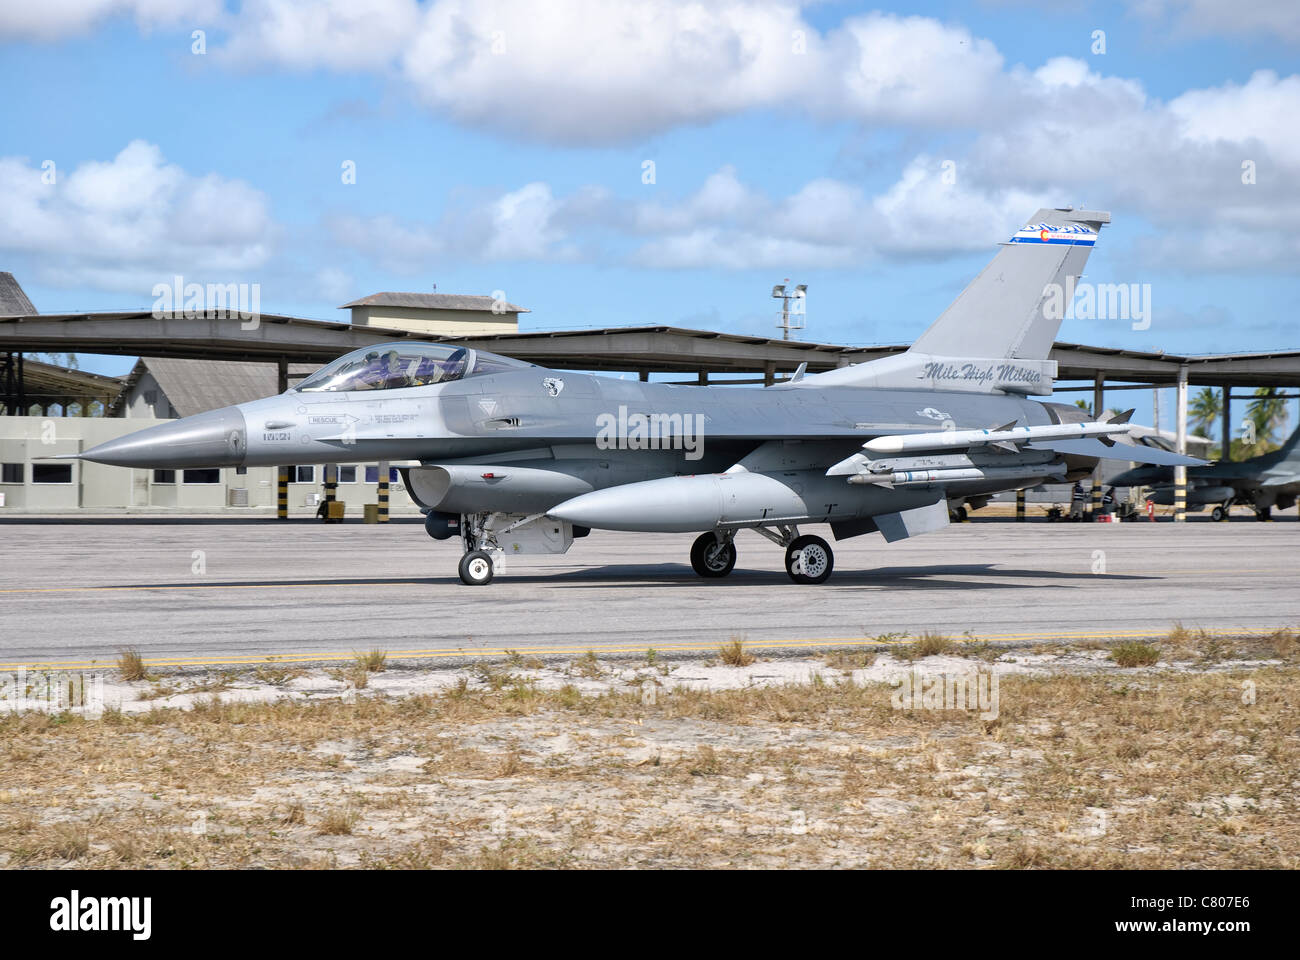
(1205, 412)
(1268, 414)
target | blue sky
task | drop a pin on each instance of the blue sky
(521, 169)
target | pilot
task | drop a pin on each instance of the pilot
(393, 376)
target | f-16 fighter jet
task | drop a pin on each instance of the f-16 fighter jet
(1263, 482)
(513, 458)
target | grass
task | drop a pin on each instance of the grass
(588, 666)
(1132, 653)
(130, 665)
(928, 644)
(338, 821)
(376, 661)
(1178, 769)
(734, 654)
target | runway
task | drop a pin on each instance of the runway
(77, 592)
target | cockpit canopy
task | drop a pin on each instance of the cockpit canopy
(404, 365)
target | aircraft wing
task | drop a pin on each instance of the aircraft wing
(1138, 453)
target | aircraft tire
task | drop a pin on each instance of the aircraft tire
(1264, 513)
(709, 560)
(818, 560)
(1218, 513)
(476, 568)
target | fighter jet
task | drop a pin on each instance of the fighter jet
(512, 458)
(1263, 482)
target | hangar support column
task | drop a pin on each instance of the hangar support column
(282, 473)
(1225, 453)
(1180, 471)
(1098, 398)
(383, 491)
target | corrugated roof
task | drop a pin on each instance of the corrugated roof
(197, 386)
(13, 302)
(431, 301)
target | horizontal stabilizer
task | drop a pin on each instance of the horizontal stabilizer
(1138, 453)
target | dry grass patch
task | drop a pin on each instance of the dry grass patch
(928, 644)
(339, 821)
(1134, 654)
(734, 654)
(1137, 771)
(375, 661)
(131, 666)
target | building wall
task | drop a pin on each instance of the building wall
(437, 322)
(98, 487)
(146, 400)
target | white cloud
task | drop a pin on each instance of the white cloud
(51, 19)
(600, 71)
(128, 223)
(338, 34)
(1275, 18)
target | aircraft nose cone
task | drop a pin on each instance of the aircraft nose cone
(217, 438)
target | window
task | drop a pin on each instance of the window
(241, 471)
(372, 474)
(305, 475)
(11, 473)
(164, 476)
(51, 473)
(404, 365)
(204, 475)
(347, 474)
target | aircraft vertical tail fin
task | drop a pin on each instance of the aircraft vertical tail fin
(1013, 309)
(997, 335)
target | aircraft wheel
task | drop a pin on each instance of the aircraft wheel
(1264, 513)
(710, 558)
(1218, 513)
(809, 560)
(476, 568)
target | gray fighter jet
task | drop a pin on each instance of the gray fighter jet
(1263, 482)
(513, 458)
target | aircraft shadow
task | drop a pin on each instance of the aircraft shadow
(919, 577)
(936, 576)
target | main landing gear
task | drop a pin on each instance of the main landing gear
(808, 559)
(476, 566)
(714, 554)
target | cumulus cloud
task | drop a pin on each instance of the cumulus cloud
(132, 221)
(725, 223)
(584, 72)
(1276, 18)
(52, 19)
(337, 34)
(527, 224)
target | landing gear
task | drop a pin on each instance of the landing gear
(1264, 513)
(809, 560)
(476, 568)
(1220, 512)
(713, 555)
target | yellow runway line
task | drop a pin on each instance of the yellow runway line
(828, 642)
